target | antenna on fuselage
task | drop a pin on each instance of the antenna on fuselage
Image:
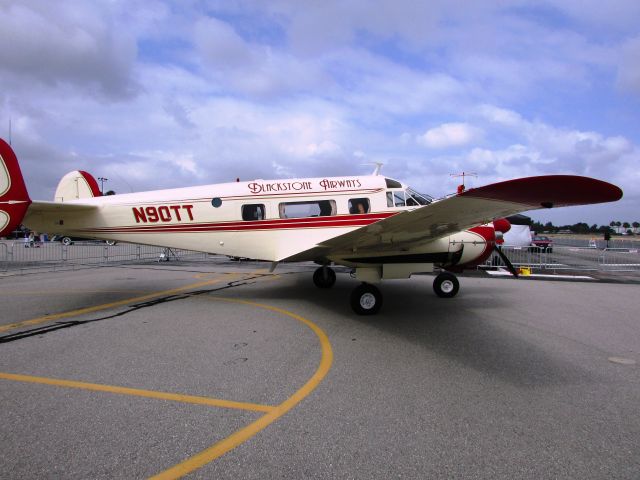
(378, 165)
(461, 188)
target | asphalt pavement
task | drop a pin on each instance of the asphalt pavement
(227, 371)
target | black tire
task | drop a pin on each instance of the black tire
(110, 242)
(66, 241)
(446, 285)
(324, 277)
(366, 300)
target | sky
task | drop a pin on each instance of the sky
(161, 94)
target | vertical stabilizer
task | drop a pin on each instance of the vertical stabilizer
(76, 185)
(14, 199)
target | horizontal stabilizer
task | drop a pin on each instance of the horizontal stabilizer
(57, 207)
(58, 217)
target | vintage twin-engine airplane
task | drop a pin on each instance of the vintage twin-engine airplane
(378, 226)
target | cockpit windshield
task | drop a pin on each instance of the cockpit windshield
(407, 198)
(419, 198)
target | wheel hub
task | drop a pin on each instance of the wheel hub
(447, 286)
(367, 301)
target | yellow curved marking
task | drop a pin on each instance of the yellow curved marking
(244, 434)
(104, 306)
(174, 397)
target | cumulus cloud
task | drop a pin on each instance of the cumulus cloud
(450, 135)
(273, 89)
(249, 67)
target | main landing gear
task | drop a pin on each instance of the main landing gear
(324, 277)
(366, 299)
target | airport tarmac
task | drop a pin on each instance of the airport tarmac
(222, 370)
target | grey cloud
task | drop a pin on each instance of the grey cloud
(66, 44)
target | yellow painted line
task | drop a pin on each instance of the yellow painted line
(244, 434)
(75, 291)
(104, 306)
(174, 397)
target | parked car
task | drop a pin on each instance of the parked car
(67, 240)
(543, 243)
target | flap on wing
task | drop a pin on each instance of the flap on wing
(474, 207)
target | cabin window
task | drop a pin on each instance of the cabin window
(359, 205)
(317, 208)
(253, 212)
(216, 202)
(395, 199)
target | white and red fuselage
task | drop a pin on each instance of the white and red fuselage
(270, 220)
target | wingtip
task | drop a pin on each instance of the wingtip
(550, 191)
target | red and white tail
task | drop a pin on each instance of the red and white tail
(14, 199)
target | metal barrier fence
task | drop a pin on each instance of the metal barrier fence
(3, 256)
(571, 258)
(18, 257)
(23, 257)
(597, 242)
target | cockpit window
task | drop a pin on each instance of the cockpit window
(407, 198)
(418, 198)
(395, 198)
(393, 183)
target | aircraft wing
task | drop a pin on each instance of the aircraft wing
(473, 207)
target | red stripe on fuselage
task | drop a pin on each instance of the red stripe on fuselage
(256, 225)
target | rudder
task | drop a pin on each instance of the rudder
(14, 199)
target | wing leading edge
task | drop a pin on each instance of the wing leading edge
(460, 212)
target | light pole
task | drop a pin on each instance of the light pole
(102, 180)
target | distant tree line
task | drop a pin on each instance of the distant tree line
(614, 226)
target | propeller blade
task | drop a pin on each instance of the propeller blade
(506, 261)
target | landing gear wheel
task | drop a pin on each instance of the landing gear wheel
(366, 300)
(324, 277)
(110, 242)
(66, 241)
(446, 285)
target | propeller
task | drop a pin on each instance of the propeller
(502, 226)
(506, 261)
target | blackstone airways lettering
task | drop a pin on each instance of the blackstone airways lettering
(325, 184)
(333, 184)
(256, 187)
(164, 213)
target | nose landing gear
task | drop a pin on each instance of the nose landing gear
(446, 285)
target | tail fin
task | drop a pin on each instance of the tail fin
(14, 199)
(75, 185)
